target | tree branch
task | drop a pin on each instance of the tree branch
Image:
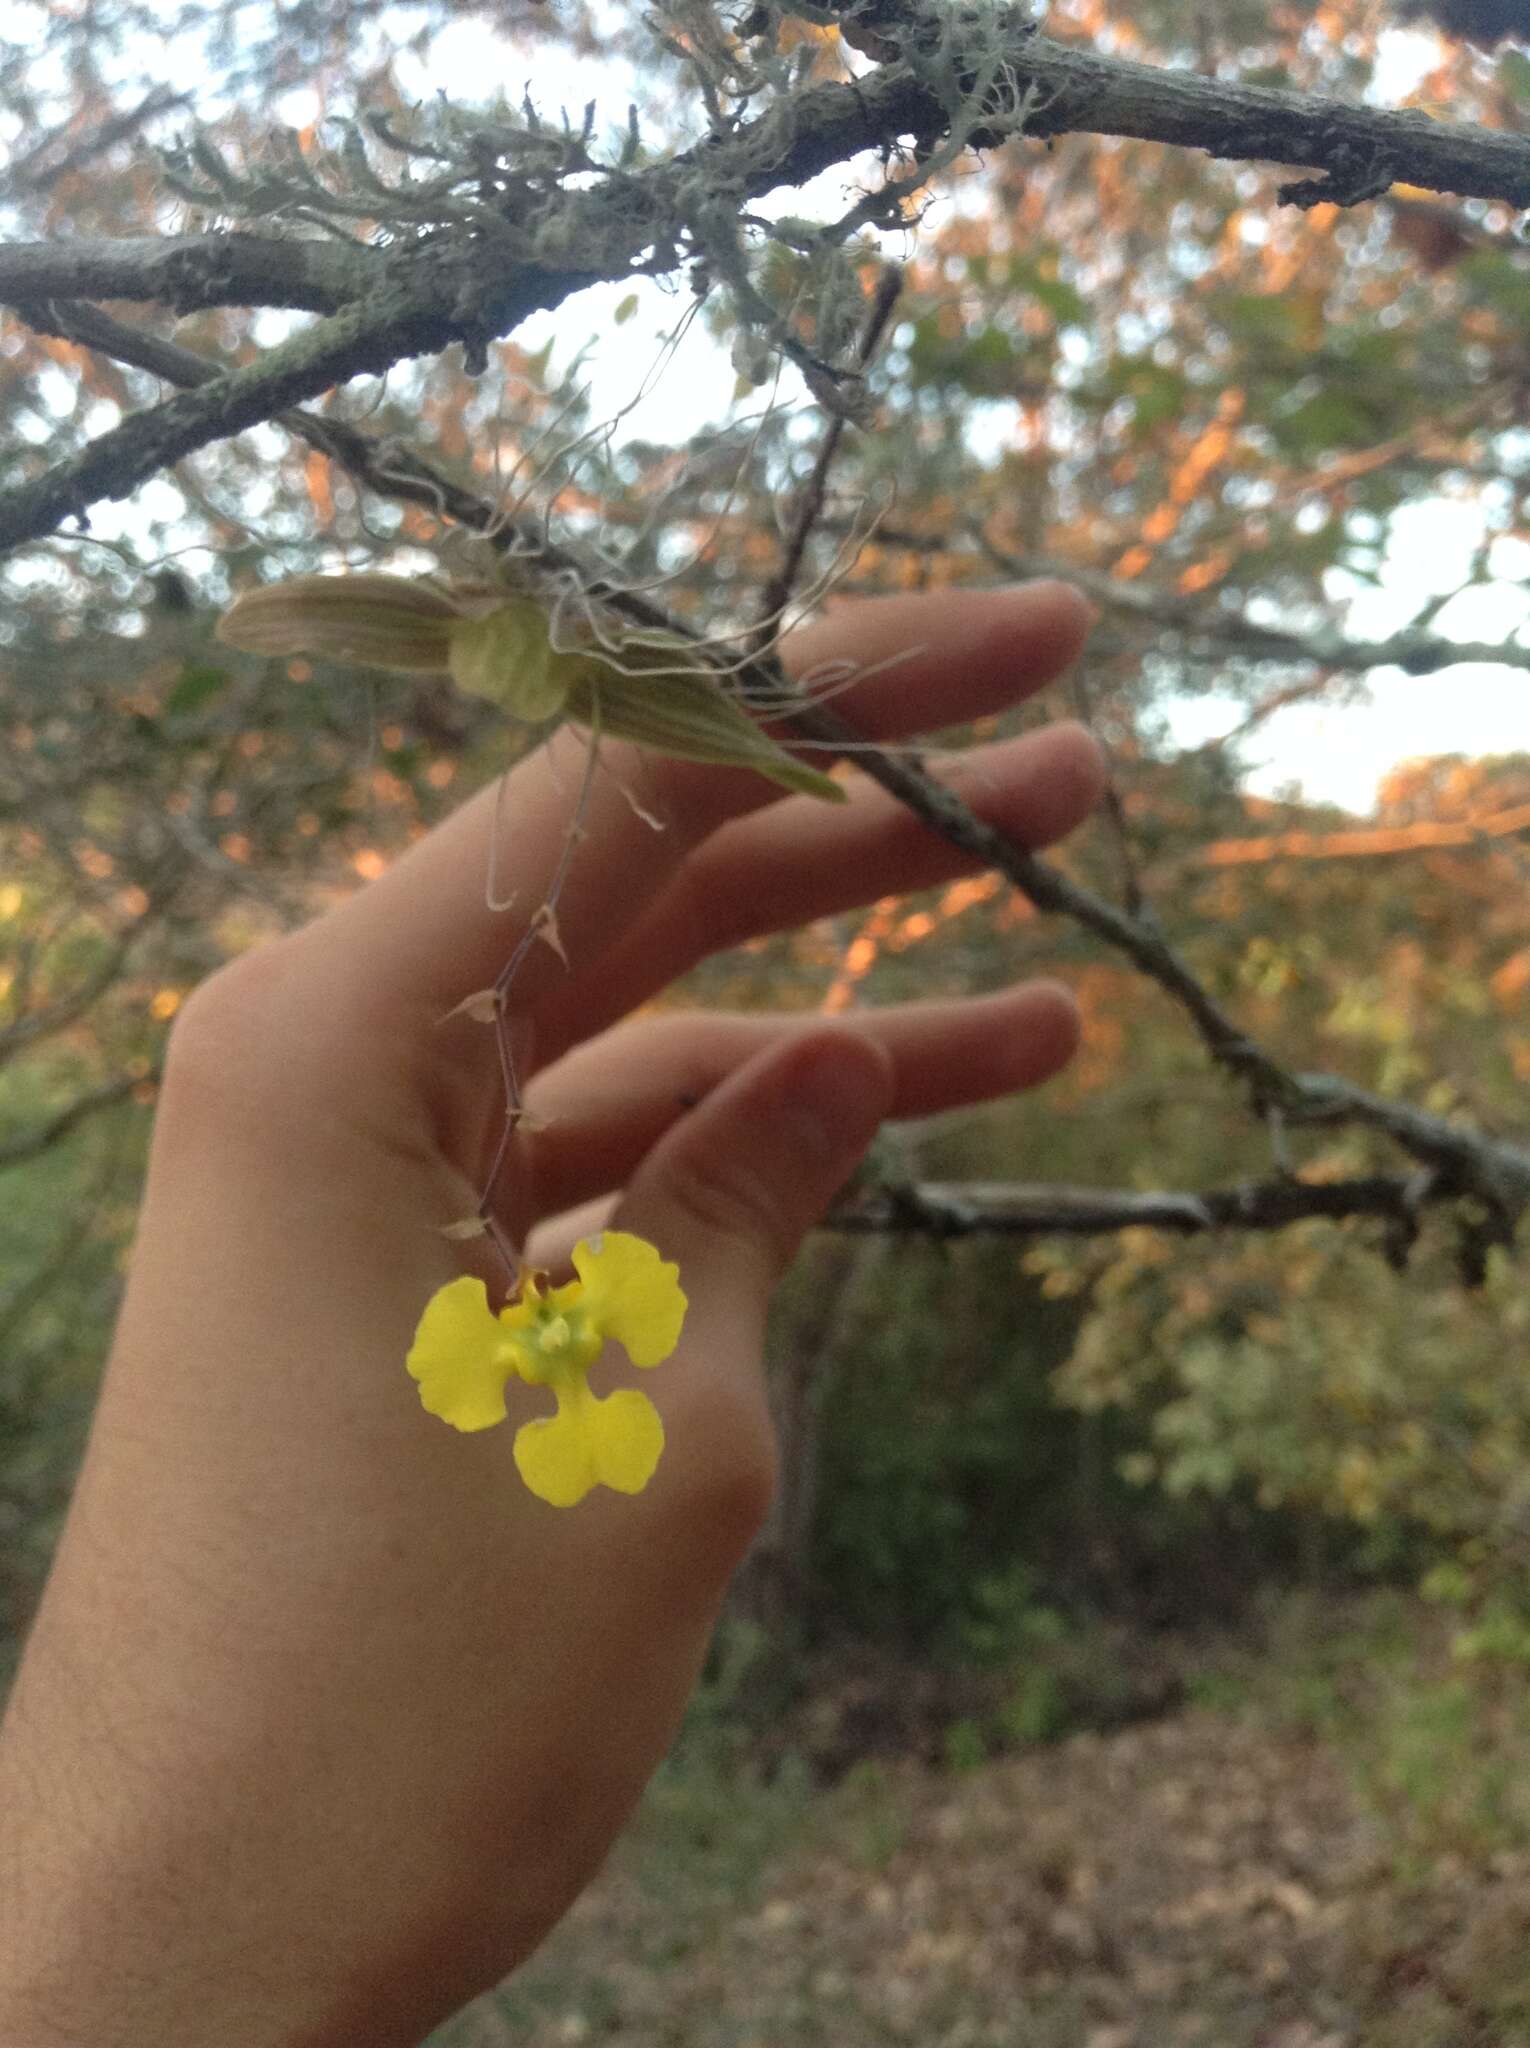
(389, 468)
(16, 1151)
(469, 282)
(436, 299)
(1416, 652)
(28, 174)
(188, 273)
(809, 508)
(1359, 150)
(1461, 1162)
(1026, 1208)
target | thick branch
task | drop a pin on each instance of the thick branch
(1078, 91)
(468, 284)
(440, 298)
(1360, 150)
(190, 272)
(1026, 1208)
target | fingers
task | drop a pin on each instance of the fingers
(730, 1192)
(604, 1107)
(421, 938)
(792, 862)
(956, 643)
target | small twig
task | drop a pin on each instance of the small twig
(1266, 708)
(541, 928)
(28, 1029)
(16, 1151)
(1413, 649)
(809, 507)
(1114, 805)
(1280, 1149)
(27, 173)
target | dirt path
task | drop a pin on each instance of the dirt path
(1198, 1879)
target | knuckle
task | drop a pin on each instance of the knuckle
(730, 1484)
(220, 1047)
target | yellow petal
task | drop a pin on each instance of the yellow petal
(554, 1460)
(615, 1443)
(629, 1438)
(462, 1357)
(389, 622)
(631, 1294)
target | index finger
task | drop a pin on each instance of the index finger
(423, 937)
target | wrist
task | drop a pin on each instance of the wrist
(133, 1904)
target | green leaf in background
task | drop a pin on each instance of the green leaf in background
(197, 683)
(1037, 276)
(1156, 394)
(1514, 73)
(1499, 278)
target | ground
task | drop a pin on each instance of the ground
(1218, 1874)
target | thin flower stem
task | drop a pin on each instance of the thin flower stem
(543, 926)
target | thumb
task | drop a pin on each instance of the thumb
(732, 1189)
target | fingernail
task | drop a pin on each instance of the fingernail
(842, 1089)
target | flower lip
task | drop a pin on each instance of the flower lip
(464, 1354)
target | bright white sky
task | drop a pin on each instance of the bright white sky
(1338, 753)
(1335, 754)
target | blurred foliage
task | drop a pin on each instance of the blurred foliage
(59, 1269)
(1148, 1424)
(958, 1498)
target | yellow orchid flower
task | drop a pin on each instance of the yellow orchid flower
(463, 1355)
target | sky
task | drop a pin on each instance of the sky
(1338, 753)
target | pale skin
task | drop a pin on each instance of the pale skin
(325, 1720)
